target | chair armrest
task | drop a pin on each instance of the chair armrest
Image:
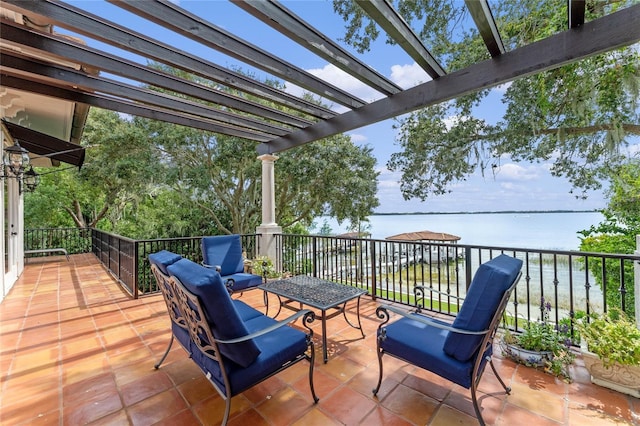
(308, 315)
(216, 267)
(382, 313)
(422, 290)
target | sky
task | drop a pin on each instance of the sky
(515, 186)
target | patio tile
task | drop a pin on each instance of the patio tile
(347, 405)
(545, 404)
(156, 408)
(380, 416)
(145, 387)
(285, 407)
(316, 417)
(88, 357)
(412, 405)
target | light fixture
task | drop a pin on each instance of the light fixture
(15, 160)
(30, 179)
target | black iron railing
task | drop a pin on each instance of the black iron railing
(128, 260)
(73, 240)
(574, 283)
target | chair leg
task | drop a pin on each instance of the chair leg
(475, 404)
(377, 388)
(227, 410)
(165, 353)
(507, 389)
(312, 360)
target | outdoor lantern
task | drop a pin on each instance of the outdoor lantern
(15, 159)
(31, 180)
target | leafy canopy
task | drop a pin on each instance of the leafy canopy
(149, 179)
(579, 117)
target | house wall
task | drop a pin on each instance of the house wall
(11, 228)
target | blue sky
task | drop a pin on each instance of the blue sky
(516, 186)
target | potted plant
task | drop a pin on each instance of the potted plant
(610, 347)
(541, 344)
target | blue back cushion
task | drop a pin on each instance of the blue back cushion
(162, 259)
(224, 251)
(222, 316)
(489, 284)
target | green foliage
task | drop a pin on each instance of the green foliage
(577, 116)
(150, 179)
(614, 338)
(262, 266)
(617, 234)
(543, 336)
(118, 167)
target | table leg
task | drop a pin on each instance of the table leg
(344, 312)
(324, 336)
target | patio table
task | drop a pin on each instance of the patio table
(328, 297)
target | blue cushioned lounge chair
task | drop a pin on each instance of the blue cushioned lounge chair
(236, 348)
(457, 351)
(159, 262)
(224, 254)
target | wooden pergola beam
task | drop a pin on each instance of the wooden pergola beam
(601, 35)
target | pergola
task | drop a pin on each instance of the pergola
(36, 60)
(40, 63)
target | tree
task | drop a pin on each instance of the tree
(220, 177)
(579, 116)
(117, 169)
(617, 234)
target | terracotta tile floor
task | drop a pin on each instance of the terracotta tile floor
(76, 349)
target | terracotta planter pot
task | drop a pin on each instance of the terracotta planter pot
(621, 378)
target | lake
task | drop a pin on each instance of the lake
(533, 230)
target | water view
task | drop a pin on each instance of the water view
(535, 230)
(522, 230)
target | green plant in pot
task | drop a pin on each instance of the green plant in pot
(611, 351)
(541, 344)
(263, 266)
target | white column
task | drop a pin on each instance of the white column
(269, 228)
(268, 190)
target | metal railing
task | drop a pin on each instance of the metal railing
(573, 282)
(73, 240)
(128, 260)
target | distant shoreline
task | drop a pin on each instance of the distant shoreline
(489, 212)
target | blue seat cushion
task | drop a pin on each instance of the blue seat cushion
(491, 281)
(220, 311)
(245, 311)
(243, 281)
(224, 251)
(182, 335)
(422, 345)
(162, 259)
(276, 349)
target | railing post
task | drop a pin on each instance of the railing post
(636, 281)
(136, 265)
(315, 256)
(467, 267)
(374, 280)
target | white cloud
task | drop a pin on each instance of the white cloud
(407, 76)
(453, 119)
(516, 172)
(344, 81)
(634, 148)
(358, 137)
